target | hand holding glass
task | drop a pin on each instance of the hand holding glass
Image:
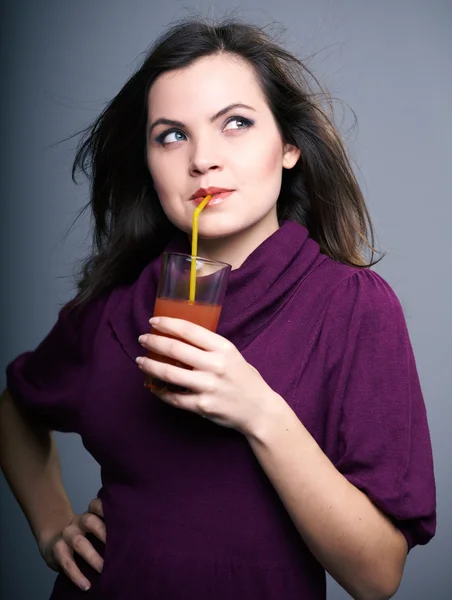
(173, 300)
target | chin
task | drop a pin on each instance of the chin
(220, 229)
(216, 235)
(223, 228)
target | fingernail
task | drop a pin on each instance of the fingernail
(154, 321)
(142, 339)
(139, 360)
(86, 587)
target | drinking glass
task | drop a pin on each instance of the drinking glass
(173, 300)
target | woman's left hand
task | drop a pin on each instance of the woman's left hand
(223, 386)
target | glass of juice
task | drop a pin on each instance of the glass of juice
(173, 300)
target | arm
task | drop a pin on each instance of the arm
(355, 542)
(45, 387)
(379, 439)
(30, 462)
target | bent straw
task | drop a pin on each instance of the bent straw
(194, 247)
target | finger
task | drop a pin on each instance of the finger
(85, 549)
(193, 380)
(96, 507)
(183, 401)
(178, 350)
(91, 523)
(190, 332)
(65, 560)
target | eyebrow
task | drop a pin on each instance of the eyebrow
(220, 113)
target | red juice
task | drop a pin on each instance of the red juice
(205, 315)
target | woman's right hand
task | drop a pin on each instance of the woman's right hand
(58, 552)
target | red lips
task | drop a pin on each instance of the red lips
(212, 191)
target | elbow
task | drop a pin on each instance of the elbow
(389, 589)
(381, 588)
(376, 594)
(372, 588)
(384, 573)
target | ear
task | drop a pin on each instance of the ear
(290, 156)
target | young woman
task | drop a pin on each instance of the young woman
(304, 444)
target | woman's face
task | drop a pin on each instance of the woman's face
(209, 125)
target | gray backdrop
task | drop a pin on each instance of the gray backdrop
(389, 60)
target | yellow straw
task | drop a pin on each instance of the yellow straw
(194, 247)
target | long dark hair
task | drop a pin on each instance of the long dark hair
(320, 192)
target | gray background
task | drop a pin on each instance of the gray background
(389, 60)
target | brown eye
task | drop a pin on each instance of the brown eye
(240, 122)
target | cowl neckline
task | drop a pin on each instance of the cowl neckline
(256, 290)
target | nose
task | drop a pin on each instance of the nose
(204, 157)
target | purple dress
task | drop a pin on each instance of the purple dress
(190, 513)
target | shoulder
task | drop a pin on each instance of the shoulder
(76, 328)
(361, 291)
(361, 314)
(77, 314)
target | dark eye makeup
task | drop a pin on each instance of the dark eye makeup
(160, 139)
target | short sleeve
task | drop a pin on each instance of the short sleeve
(375, 400)
(49, 382)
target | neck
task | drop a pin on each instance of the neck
(235, 249)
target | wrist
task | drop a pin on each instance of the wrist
(48, 534)
(45, 547)
(274, 413)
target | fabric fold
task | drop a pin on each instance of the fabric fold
(256, 291)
